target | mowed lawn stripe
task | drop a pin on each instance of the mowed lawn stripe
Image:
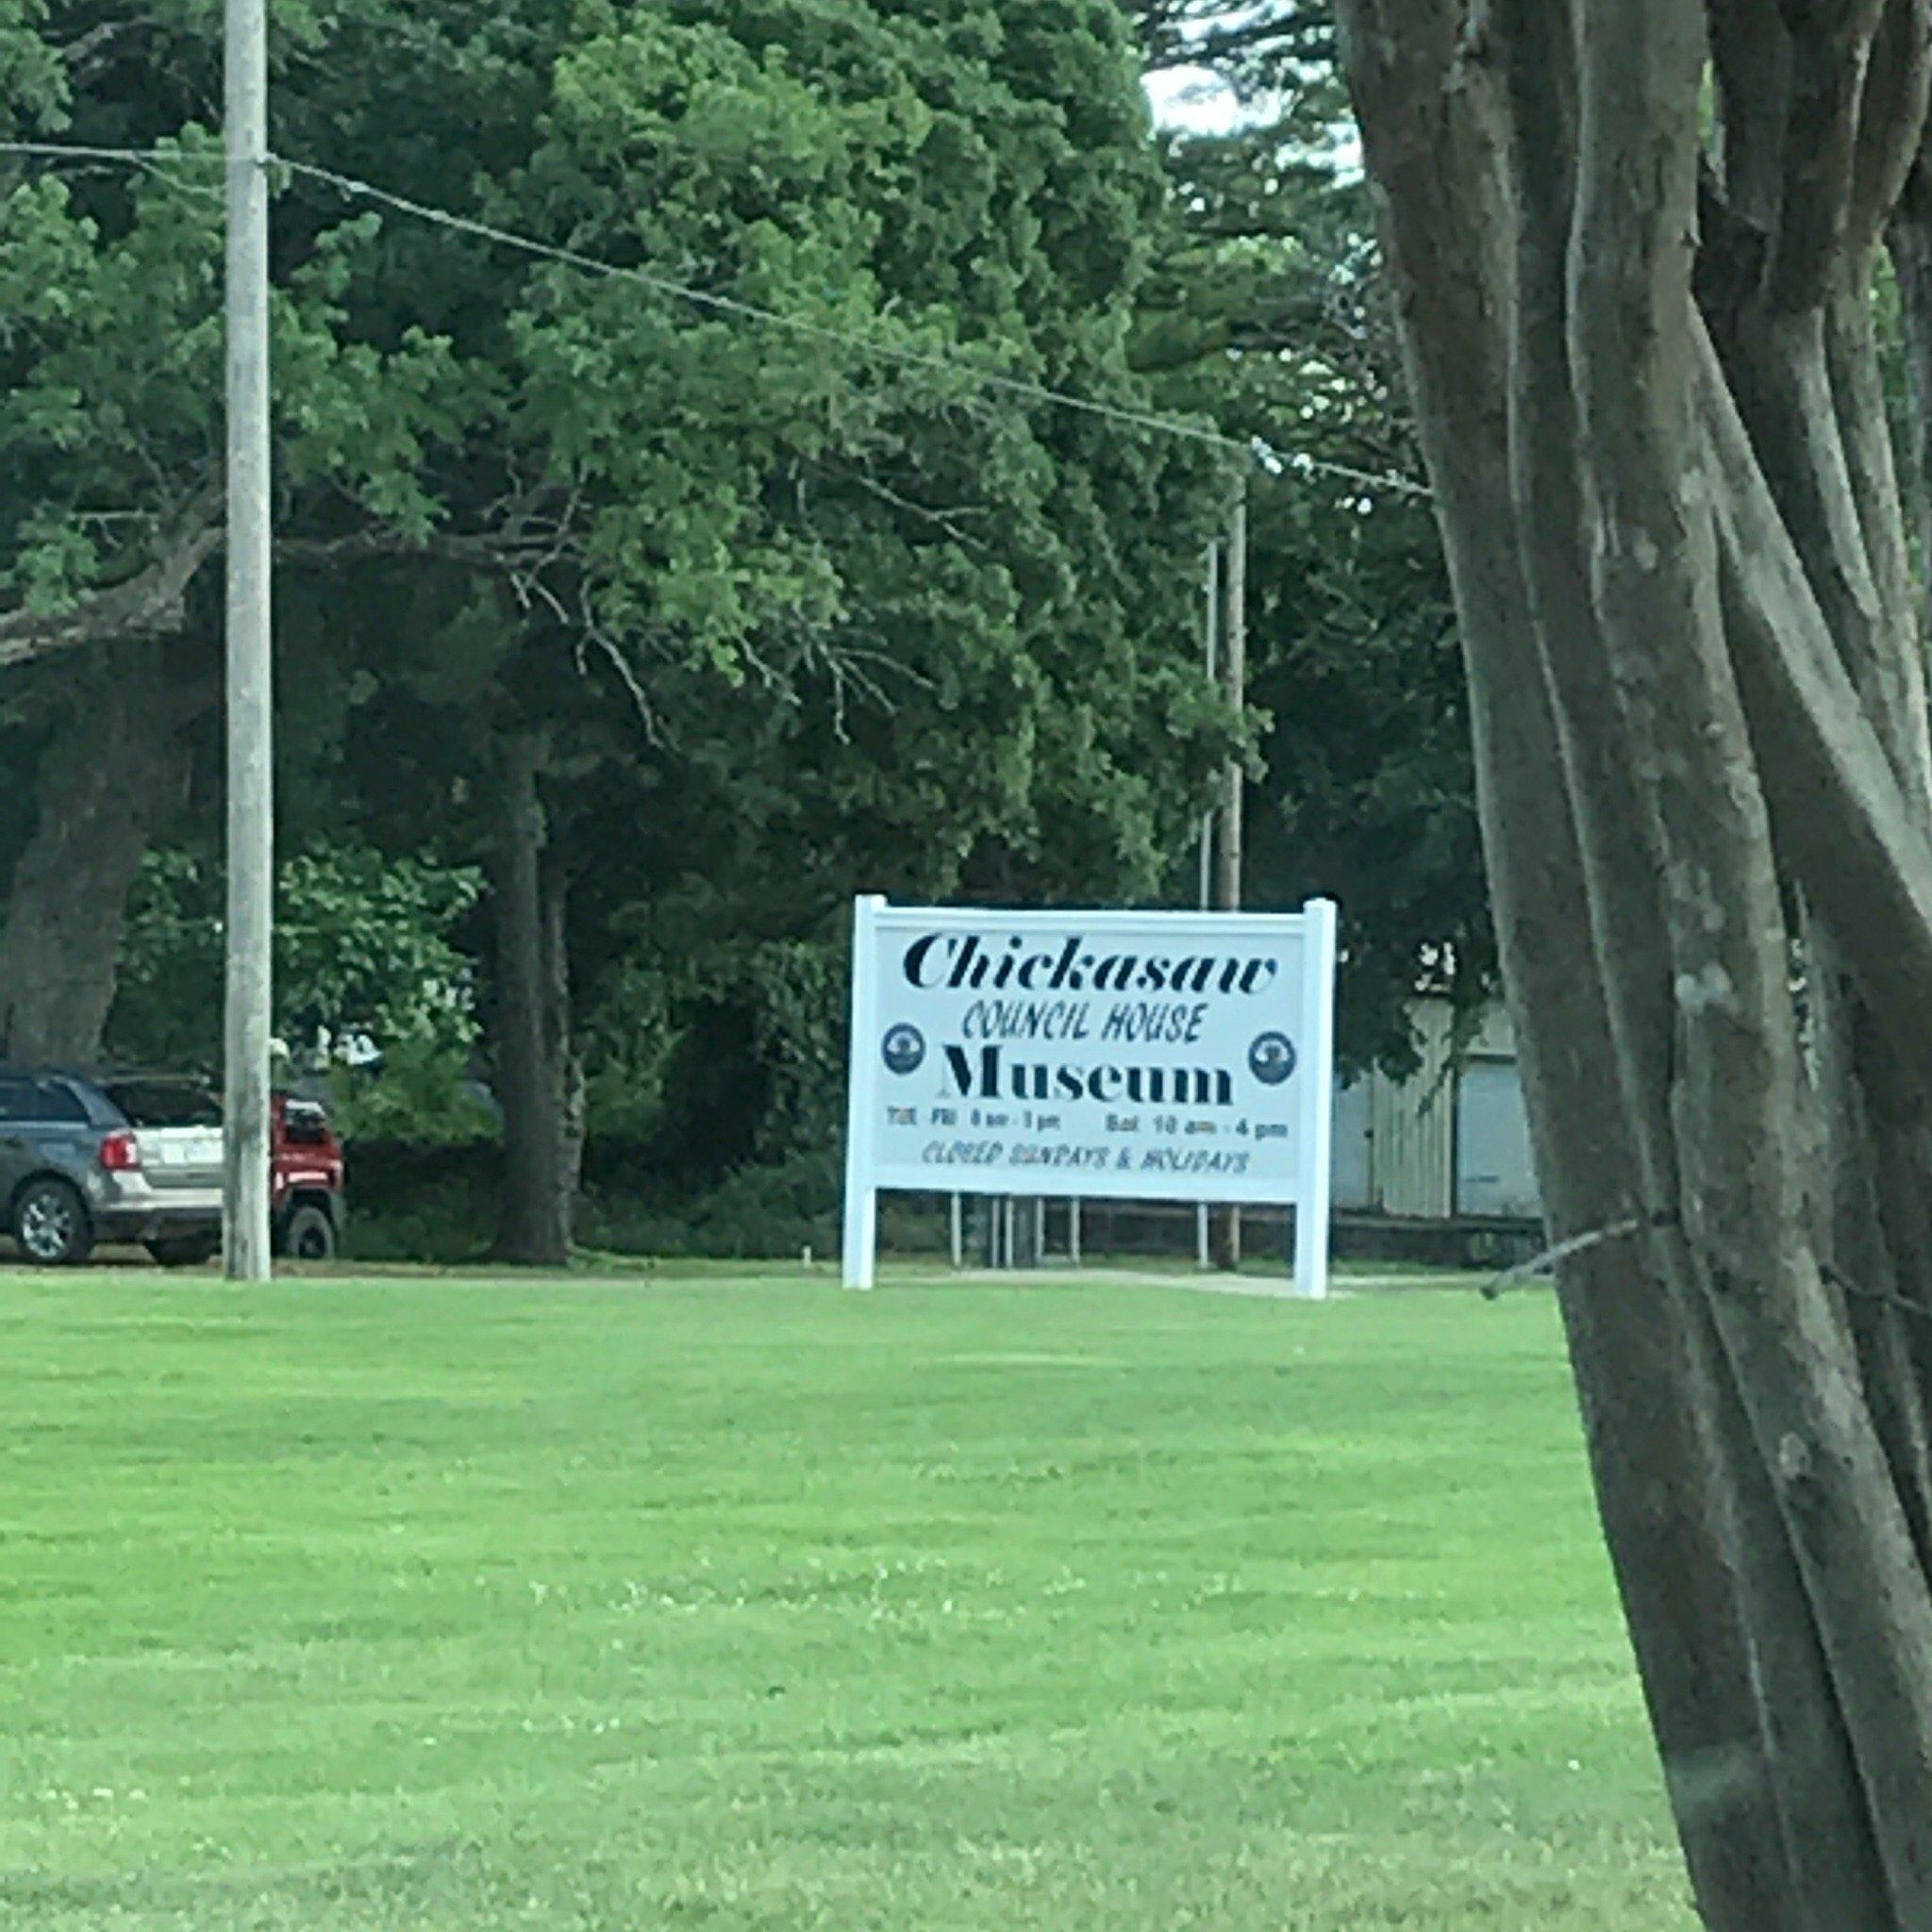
(737, 1602)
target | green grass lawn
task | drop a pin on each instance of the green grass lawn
(732, 1603)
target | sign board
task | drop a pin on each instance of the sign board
(1099, 1056)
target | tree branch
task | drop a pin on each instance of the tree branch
(1839, 813)
(1891, 121)
(1831, 51)
(85, 57)
(483, 552)
(1752, 54)
(138, 606)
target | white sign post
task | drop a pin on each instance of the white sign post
(1099, 1056)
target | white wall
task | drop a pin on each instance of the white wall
(1445, 1141)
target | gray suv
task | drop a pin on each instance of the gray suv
(134, 1157)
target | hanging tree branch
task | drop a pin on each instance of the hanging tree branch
(146, 601)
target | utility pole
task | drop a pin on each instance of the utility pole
(1227, 869)
(1203, 1247)
(250, 682)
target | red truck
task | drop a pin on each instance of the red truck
(307, 1197)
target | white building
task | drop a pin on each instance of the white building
(1451, 1142)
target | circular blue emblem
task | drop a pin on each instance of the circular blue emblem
(1271, 1058)
(903, 1049)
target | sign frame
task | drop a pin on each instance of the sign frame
(1313, 927)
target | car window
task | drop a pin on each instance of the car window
(164, 1103)
(17, 1099)
(305, 1125)
(57, 1101)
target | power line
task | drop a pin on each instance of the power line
(157, 162)
(1374, 479)
(751, 311)
(1146, 422)
(1141, 420)
(72, 151)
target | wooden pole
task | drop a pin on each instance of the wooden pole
(250, 671)
(1227, 869)
(1204, 1248)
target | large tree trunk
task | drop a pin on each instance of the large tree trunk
(537, 1082)
(1642, 348)
(113, 770)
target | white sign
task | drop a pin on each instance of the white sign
(1105, 1056)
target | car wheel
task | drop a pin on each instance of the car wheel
(311, 1236)
(185, 1251)
(50, 1222)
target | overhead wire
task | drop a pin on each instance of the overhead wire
(77, 151)
(958, 366)
(751, 311)
(1144, 421)
(162, 162)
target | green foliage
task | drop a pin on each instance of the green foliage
(419, 1096)
(773, 1209)
(365, 963)
(628, 1039)
(734, 1053)
(168, 1003)
(402, 1207)
(799, 993)
(32, 83)
(962, 605)
(111, 366)
(363, 947)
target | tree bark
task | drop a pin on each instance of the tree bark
(1910, 242)
(1697, 687)
(530, 1017)
(1642, 1366)
(113, 771)
(1759, 1777)
(572, 1106)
